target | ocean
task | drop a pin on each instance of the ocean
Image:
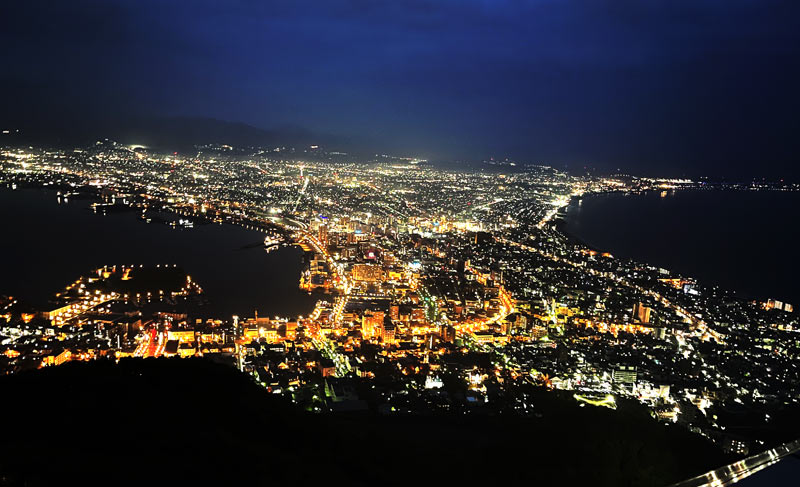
(744, 241)
(46, 245)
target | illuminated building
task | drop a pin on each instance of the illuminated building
(388, 330)
(181, 335)
(268, 334)
(624, 377)
(641, 313)
(448, 333)
(290, 330)
(323, 234)
(367, 272)
(251, 332)
(538, 332)
(186, 350)
(483, 336)
(60, 311)
(735, 446)
(371, 323)
(433, 382)
(780, 305)
(57, 359)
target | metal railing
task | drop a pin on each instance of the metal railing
(744, 468)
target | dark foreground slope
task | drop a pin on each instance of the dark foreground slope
(183, 422)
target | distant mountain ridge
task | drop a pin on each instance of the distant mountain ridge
(168, 133)
(182, 133)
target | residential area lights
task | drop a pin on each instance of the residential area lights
(437, 290)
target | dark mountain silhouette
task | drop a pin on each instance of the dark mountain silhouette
(161, 133)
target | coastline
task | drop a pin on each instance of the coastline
(226, 255)
(560, 220)
(715, 238)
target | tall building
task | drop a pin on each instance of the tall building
(388, 330)
(624, 377)
(371, 323)
(448, 333)
(641, 313)
(323, 234)
(515, 323)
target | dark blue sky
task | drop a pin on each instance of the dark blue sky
(655, 87)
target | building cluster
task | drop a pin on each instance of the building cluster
(440, 291)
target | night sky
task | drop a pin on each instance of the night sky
(652, 87)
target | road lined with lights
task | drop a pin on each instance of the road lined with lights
(322, 342)
(698, 325)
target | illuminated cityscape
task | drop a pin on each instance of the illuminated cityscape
(399, 243)
(439, 291)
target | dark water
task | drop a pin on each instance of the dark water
(783, 473)
(745, 241)
(46, 245)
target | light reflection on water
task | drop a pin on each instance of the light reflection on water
(46, 245)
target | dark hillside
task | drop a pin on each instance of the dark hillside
(192, 421)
